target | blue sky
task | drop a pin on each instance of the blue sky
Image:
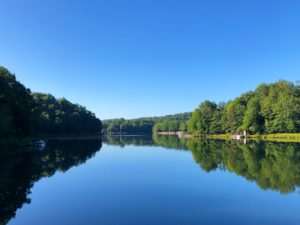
(134, 58)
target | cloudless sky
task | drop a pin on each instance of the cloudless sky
(134, 58)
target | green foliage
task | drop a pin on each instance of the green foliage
(59, 116)
(252, 120)
(281, 108)
(122, 126)
(168, 126)
(17, 109)
(207, 119)
(183, 126)
(23, 113)
(146, 125)
(273, 108)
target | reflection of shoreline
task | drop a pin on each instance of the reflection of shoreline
(123, 140)
(74, 138)
(19, 171)
(127, 135)
(24, 142)
(272, 165)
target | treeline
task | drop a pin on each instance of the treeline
(170, 126)
(58, 116)
(142, 125)
(122, 126)
(271, 108)
(23, 113)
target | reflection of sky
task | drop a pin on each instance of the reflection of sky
(152, 185)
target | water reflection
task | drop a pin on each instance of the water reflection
(172, 142)
(123, 140)
(274, 166)
(21, 169)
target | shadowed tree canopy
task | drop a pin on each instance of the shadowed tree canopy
(17, 108)
(23, 113)
(59, 116)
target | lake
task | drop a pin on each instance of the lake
(137, 180)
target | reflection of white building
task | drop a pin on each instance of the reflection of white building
(240, 136)
(237, 137)
(182, 134)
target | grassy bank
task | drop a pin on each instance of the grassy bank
(280, 137)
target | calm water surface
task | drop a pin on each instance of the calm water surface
(144, 180)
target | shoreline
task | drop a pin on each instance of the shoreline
(278, 137)
(26, 141)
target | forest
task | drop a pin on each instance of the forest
(271, 108)
(144, 125)
(23, 113)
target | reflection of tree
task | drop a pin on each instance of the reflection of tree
(170, 141)
(273, 166)
(161, 140)
(18, 172)
(122, 141)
